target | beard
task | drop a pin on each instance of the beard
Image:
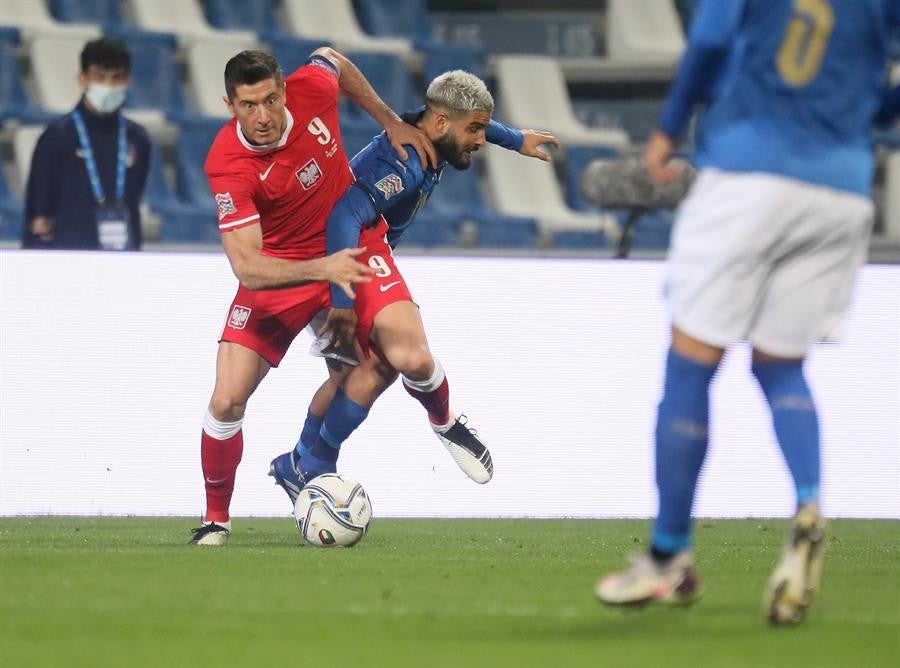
(448, 149)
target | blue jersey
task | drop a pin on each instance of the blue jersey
(397, 189)
(793, 87)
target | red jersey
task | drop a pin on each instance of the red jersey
(289, 188)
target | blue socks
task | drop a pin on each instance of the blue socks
(796, 422)
(682, 436)
(343, 417)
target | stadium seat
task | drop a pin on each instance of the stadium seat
(185, 19)
(580, 240)
(193, 144)
(242, 15)
(180, 221)
(54, 65)
(389, 76)
(574, 163)
(520, 77)
(292, 52)
(429, 230)
(440, 58)
(653, 231)
(508, 233)
(24, 140)
(156, 81)
(638, 31)
(355, 136)
(32, 18)
(335, 21)
(11, 212)
(205, 64)
(529, 188)
(14, 102)
(105, 13)
(407, 19)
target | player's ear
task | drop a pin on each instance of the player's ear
(228, 104)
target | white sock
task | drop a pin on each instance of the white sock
(221, 431)
(430, 384)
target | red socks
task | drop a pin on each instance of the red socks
(219, 460)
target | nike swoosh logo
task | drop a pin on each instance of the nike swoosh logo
(264, 175)
(385, 288)
(216, 482)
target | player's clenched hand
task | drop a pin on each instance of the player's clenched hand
(533, 139)
(657, 155)
(343, 270)
(401, 133)
(340, 326)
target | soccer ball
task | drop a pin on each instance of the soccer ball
(333, 511)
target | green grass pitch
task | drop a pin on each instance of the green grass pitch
(129, 592)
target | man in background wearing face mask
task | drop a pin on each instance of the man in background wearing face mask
(90, 167)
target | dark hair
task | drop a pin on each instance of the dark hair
(250, 67)
(110, 53)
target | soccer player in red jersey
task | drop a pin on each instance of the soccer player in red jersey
(276, 170)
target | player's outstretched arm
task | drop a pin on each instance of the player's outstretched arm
(357, 88)
(256, 271)
(532, 140)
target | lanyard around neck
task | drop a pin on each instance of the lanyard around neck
(91, 164)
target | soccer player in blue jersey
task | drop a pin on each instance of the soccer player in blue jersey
(765, 249)
(381, 204)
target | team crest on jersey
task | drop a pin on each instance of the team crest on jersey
(309, 174)
(239, 317)
(225, 205)
(390, 185)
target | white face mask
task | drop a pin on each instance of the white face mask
(105, 99)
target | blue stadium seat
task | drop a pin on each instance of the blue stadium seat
(430, 229)
(458, 195)
(256, 15)
(508, 233)
(441, 58)
(14, 102)
(653, 230)
(292, 52)
(580, 240)
(396, 18)
(575, 161)
(193, 144)
(389, 76)
(156, 81)
(356, 136)
(180, 221)
(105, 13)
(11, 212)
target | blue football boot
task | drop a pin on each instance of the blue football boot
(286, 471)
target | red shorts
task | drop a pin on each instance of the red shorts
(387, 287)
(267, 321)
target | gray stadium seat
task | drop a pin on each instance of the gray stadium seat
(185, 19)
(639, 31)
(32, 18)
(533, 94)
(335, 21)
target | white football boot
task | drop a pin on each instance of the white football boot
(646, 581)
(795, 581)
(467, 450)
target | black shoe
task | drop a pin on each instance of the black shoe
(210, 534)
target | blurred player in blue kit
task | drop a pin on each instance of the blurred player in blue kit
(765, 248)
(375, 212)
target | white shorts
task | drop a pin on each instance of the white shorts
(321, 345)
(765, 258)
